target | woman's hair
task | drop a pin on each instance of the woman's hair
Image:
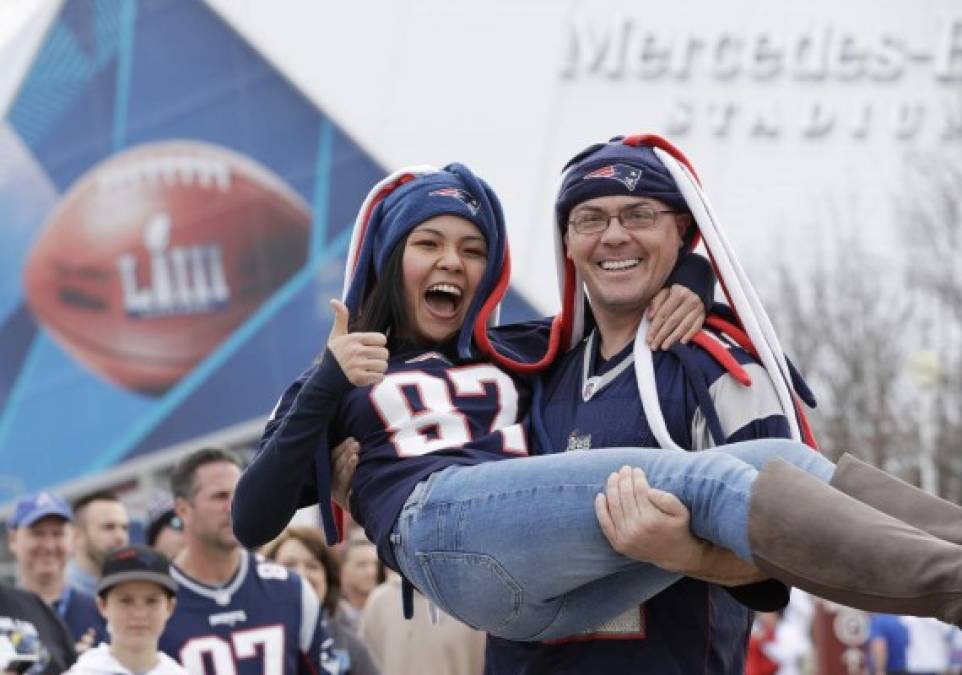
(313, 541)
(382, 310)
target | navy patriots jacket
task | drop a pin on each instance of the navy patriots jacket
(692, 626)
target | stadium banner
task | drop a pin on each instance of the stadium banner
(176, 215)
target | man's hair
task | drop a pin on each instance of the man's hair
(86, 500)
(182, 478)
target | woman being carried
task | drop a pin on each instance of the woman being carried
(514, 547)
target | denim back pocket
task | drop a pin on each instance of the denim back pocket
(472, 587)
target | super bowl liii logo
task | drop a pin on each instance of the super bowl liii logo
(182, 279)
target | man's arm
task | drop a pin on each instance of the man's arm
(653, 526)
(744, 413)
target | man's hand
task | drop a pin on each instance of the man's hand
(343, 465)
(362, 356)
(646, 524)
(653, 526)
(676, 314)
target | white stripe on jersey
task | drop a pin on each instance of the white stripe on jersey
(222, 595)
(310, 614)
(736, 404)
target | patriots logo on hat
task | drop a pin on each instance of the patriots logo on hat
(623, 173)
(461, 195)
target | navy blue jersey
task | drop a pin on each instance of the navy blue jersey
(78, 610)
(430, 411)
(613, 415)
(265, 620)
(691, 627)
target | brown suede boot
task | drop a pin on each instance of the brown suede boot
(810, 535)
(897, 498)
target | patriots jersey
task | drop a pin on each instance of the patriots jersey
(430, 411)
(691, 627)
(264, 621)
(600, 411)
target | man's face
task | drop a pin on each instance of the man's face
(206, 516)
(102, 526)
(41, 550)
(623, 269)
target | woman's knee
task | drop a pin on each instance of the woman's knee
(760, 452)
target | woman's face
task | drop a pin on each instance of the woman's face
(294, 555)
(444, 260)
(136, 613)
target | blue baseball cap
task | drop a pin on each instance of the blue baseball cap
(34, 507)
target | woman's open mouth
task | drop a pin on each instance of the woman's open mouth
(443, 300)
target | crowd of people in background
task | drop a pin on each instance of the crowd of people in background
(782, 643)
(63, 601)
(68, 602)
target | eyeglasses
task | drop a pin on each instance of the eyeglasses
(636, 217)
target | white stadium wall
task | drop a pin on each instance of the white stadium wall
(796, 115)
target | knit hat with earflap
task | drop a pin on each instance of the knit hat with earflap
(616, 168)
(405, 200)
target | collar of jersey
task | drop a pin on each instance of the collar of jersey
(214, 592)
(592, 384)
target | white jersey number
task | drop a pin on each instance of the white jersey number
(265, 642)
(440, 425)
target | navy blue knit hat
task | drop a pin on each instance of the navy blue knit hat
(398, 205)
(615, 168)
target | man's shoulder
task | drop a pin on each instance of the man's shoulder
(743, 399)
(82, 597)
(273, 578)
(707, 360)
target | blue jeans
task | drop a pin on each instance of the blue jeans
(513, 547)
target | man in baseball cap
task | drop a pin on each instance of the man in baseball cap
(41, 539)
(34, 508)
